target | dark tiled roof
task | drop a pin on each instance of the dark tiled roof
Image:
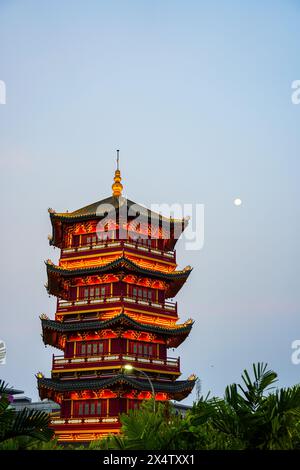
(98, 208)
(13, 391)
(119, 263)
(118, 319)
(96, 384)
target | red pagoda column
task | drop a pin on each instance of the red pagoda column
(113, 309)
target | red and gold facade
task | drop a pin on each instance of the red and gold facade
(115, 276)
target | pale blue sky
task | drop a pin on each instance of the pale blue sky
(197, 96)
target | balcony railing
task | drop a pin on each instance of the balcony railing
(119, 243)
(171, 306)
(95, 420)
(62, 363)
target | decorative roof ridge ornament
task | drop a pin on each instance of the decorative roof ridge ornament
(117, 185)
(43, 316)
(192, 377)
(187, 268)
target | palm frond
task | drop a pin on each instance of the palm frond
(255, 390)
(30, 423)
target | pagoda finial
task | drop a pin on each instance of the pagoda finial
(117, 185)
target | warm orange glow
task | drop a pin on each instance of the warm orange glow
(62, 342)
(130, 334)
(146, 337)
(90, 435)
(82, 228)
(152, 230)
(153, 320)
(130, 395)
(102, 260)
(144, 396)
(146, 319)
(153, 265)
(103, 334)
(107, 394)
(142, 337)
(141, 318)
(88, 262)
(159, 285)
(117, 185)
(91, 280)
(144, 281)
(130, 279)
(134, 226)
(90, 394)
(57, 397)
(160, 396)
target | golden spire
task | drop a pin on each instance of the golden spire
(117, 185)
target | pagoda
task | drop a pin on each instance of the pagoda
(114, 322)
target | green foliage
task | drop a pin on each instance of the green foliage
(26, 423)
(145, 429)
(251, 415)
(27, 443)
(106, 443)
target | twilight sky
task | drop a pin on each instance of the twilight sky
(197, 96)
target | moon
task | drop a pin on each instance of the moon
(237, 202)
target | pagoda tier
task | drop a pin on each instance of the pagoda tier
(123, 212)
(58, 333)
(59, 277)
(178, 390)
(109, 395)
(118, 337)
(113, 281)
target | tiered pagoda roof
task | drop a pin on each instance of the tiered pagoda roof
(114, 205)
(114, 324)
(175, 335)
(179, 389)
(56, 274)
